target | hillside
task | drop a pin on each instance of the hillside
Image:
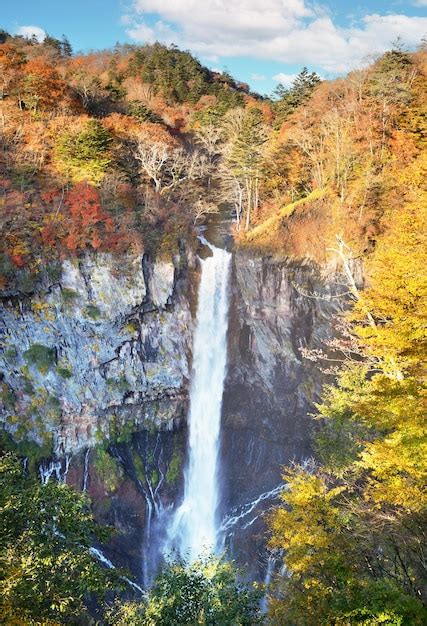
(99, 131)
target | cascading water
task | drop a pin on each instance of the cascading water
(194, 526)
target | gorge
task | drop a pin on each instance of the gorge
(149, 336)
(212, 340)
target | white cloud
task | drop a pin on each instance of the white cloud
(142, 32)
(161, 31)
(257, 76)
(30, 31)
(294, 31)
(126, 20)
(420, 3)
(285, 79)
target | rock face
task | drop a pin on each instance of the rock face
(105, 348)
(100, 361)
(277, 308)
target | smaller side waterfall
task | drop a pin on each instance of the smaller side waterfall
(55, 468)
(269, 572)
(194, 526)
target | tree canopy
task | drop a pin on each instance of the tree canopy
(207, 592)
(47, 569)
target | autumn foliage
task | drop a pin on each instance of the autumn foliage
(351, 528)
(88, 222)
(127, 149)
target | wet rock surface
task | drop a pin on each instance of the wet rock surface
(277, 308)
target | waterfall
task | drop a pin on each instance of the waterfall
(86, 470)
(239, 513)
(194, 526)
(271, 563)
(48, 469)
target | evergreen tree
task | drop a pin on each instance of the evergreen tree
(62, 46)
(4, 36)
(83, 154)
(246, 138)
(288, 100)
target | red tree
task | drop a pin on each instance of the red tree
(88, 222)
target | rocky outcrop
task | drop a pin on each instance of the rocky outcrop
(104, 349)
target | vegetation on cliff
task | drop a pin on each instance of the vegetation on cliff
(152, 141)
(50, 574)
(95, 153)
(207, 592)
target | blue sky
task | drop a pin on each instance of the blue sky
(260, 42)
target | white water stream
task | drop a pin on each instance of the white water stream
(194, 527)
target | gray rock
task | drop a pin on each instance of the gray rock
(109, 353)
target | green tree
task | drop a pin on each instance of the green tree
(289, 99)
(207, 592)
(61, 46)
(354, 530)
(342, 558)
(84, 154)
(246, 137)
(47, 570)
(179, 77)
(4, 36)
(392, 75)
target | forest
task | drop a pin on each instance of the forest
(131, 150)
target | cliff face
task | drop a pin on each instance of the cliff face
(104, 349)
(112, 390)
(277, 308)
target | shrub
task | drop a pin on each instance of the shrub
(88, 223)
(54, 271)
(27, 385)
(206, 592)
(53, 409)
(8, 397)
(29, 449)
(69, 295)
(6, 269)
(173, 469)
(131, 327)
(142, 112)
(120, 384)
(138, 466)
(92, 311)
(154, 478)
(11, 354)
(64, 372)
(27, 281)
(41, 356)
(120, 431)
(108, 470)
